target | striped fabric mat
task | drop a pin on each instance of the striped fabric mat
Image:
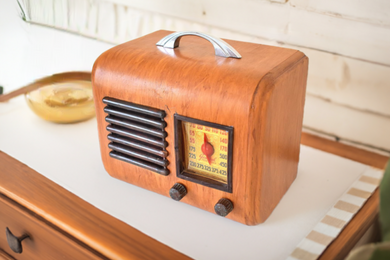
(312, 246)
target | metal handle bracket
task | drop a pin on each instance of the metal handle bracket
(221, 47)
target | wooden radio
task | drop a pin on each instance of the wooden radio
(218, 131)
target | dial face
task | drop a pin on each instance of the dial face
(204, 152)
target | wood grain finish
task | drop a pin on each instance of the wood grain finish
(53, 79)
(360, 223)
(116, 240)
(45, 241)
(260, 95)
(353, 153)
(5, 256)
(81, 223)
(278, 145)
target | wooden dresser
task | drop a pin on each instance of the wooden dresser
(60, 225)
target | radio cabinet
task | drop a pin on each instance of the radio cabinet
(257, 101)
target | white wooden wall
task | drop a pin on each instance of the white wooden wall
(347, 42)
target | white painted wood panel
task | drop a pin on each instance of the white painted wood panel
(345, 83)
(343, 80)
(372, 11)
(354, 83)
(347, 123)
(283, 23)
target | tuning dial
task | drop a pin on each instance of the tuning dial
(178, 191)
(223, 207)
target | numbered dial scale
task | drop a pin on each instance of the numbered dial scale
(204, 152)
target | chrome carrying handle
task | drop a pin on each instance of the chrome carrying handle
(222, 48)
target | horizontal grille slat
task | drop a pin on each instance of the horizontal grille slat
(134, 107)
(135, 126)
(140, 163)
(138, 145)
(135, 117)
(137, 134)
(138, 154)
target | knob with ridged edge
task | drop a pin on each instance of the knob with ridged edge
(178, 191)
(223, 207)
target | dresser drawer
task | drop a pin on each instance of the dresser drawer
(45, 242)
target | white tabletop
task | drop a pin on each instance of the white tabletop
(69, 155)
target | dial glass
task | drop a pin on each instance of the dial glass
(204, 152)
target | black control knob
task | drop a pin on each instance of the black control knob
(15, 243)
(178, 191)
(223, 207)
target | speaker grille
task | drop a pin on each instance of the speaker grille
(137, 134)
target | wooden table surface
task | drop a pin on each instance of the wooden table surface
(20, 183)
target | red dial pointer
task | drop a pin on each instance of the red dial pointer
(207, 149)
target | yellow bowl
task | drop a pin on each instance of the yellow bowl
(63, 102)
